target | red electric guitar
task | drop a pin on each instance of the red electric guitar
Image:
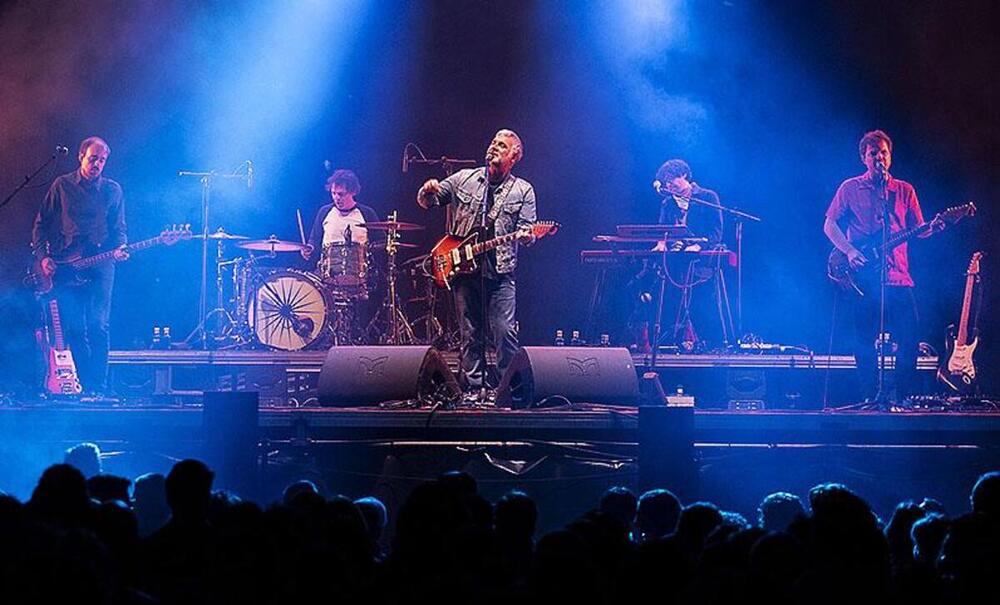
(957, 369)
(61, 377)
(454, 255)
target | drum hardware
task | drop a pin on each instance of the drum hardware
(245, 171)
(218, 325)
(398, 329)
(272, 245)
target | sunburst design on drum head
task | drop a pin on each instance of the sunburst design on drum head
(288, 311)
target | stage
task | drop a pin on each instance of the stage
(574, 451)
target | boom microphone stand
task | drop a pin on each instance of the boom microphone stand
(60, 150)
(207, 179)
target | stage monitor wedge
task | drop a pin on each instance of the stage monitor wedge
(551, 376)
(368, 375)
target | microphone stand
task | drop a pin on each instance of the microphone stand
(740, 217)
(880, 390)
(484, 327)
(29, 178)
(206, 179)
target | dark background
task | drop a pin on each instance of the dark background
(766, 100)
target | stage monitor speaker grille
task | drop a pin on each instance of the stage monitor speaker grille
(543, 376)
(361, 376)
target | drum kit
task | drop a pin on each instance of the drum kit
(289, 309)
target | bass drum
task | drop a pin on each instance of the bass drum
(288, 310)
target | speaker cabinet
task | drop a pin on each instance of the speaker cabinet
(541, 376)
(361, 376)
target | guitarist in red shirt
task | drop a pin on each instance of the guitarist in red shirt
(83, 214)
(863, 204)
(511, 210)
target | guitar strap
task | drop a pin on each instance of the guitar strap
(499, 197)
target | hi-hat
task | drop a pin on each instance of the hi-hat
(271, 244)
(221, 234)
(392, 226)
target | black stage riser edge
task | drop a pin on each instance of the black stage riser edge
(360, 376)
(580, 374)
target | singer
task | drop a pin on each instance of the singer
(863, 204)
(510, 207)
(83, 214)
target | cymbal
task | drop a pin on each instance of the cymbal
(221, 234)
(271, 244)
(392, 226)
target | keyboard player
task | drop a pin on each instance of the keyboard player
(694, 312)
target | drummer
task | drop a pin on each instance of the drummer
(337, 222)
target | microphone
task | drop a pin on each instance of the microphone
(249, 174)
(62, 149)
(658, 186)
(406, 159)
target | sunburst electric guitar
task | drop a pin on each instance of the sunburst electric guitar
(454, 255)
(840, 272)
(957, 369)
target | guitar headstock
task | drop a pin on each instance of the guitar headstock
(543, 228)
(175, 233)
(974, 264)
(956, 213)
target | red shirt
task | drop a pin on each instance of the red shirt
(858, 205)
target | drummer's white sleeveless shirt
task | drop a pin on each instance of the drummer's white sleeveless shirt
(336, 223)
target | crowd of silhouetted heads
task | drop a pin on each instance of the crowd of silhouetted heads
(88, 537)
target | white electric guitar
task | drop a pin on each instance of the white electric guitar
(959, 372)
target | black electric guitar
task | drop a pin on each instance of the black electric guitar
(839, 269)
(453, 255)
(68, 268)
(957, 368)
(60, 376)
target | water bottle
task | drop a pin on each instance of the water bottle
(560, 340)
(165, 341)
(156, 338)
(575, 339)
(605, 340)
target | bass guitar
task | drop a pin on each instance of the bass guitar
(454, 255)
(839, 269)
(60, 376)
(959, 371)
(68, 268)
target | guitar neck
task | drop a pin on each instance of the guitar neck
(493, 243)
(103, 257)
(963, 324)
(57, 334)
(900, 237)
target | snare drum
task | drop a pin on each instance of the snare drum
(344, 265)
(288, 310)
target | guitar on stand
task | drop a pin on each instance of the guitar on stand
(61, 377)
(454, 255)
(957, 369)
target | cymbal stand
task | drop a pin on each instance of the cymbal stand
(399, 331)
(207, 178)
(223, 327)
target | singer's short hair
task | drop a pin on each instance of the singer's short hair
(871, 139)
(519, 146)
(87, 142)
(671, 169)
(345, 178)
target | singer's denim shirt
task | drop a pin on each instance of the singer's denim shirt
(465, 189)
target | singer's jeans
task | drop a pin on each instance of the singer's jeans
(902, 322)
(502, 334)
